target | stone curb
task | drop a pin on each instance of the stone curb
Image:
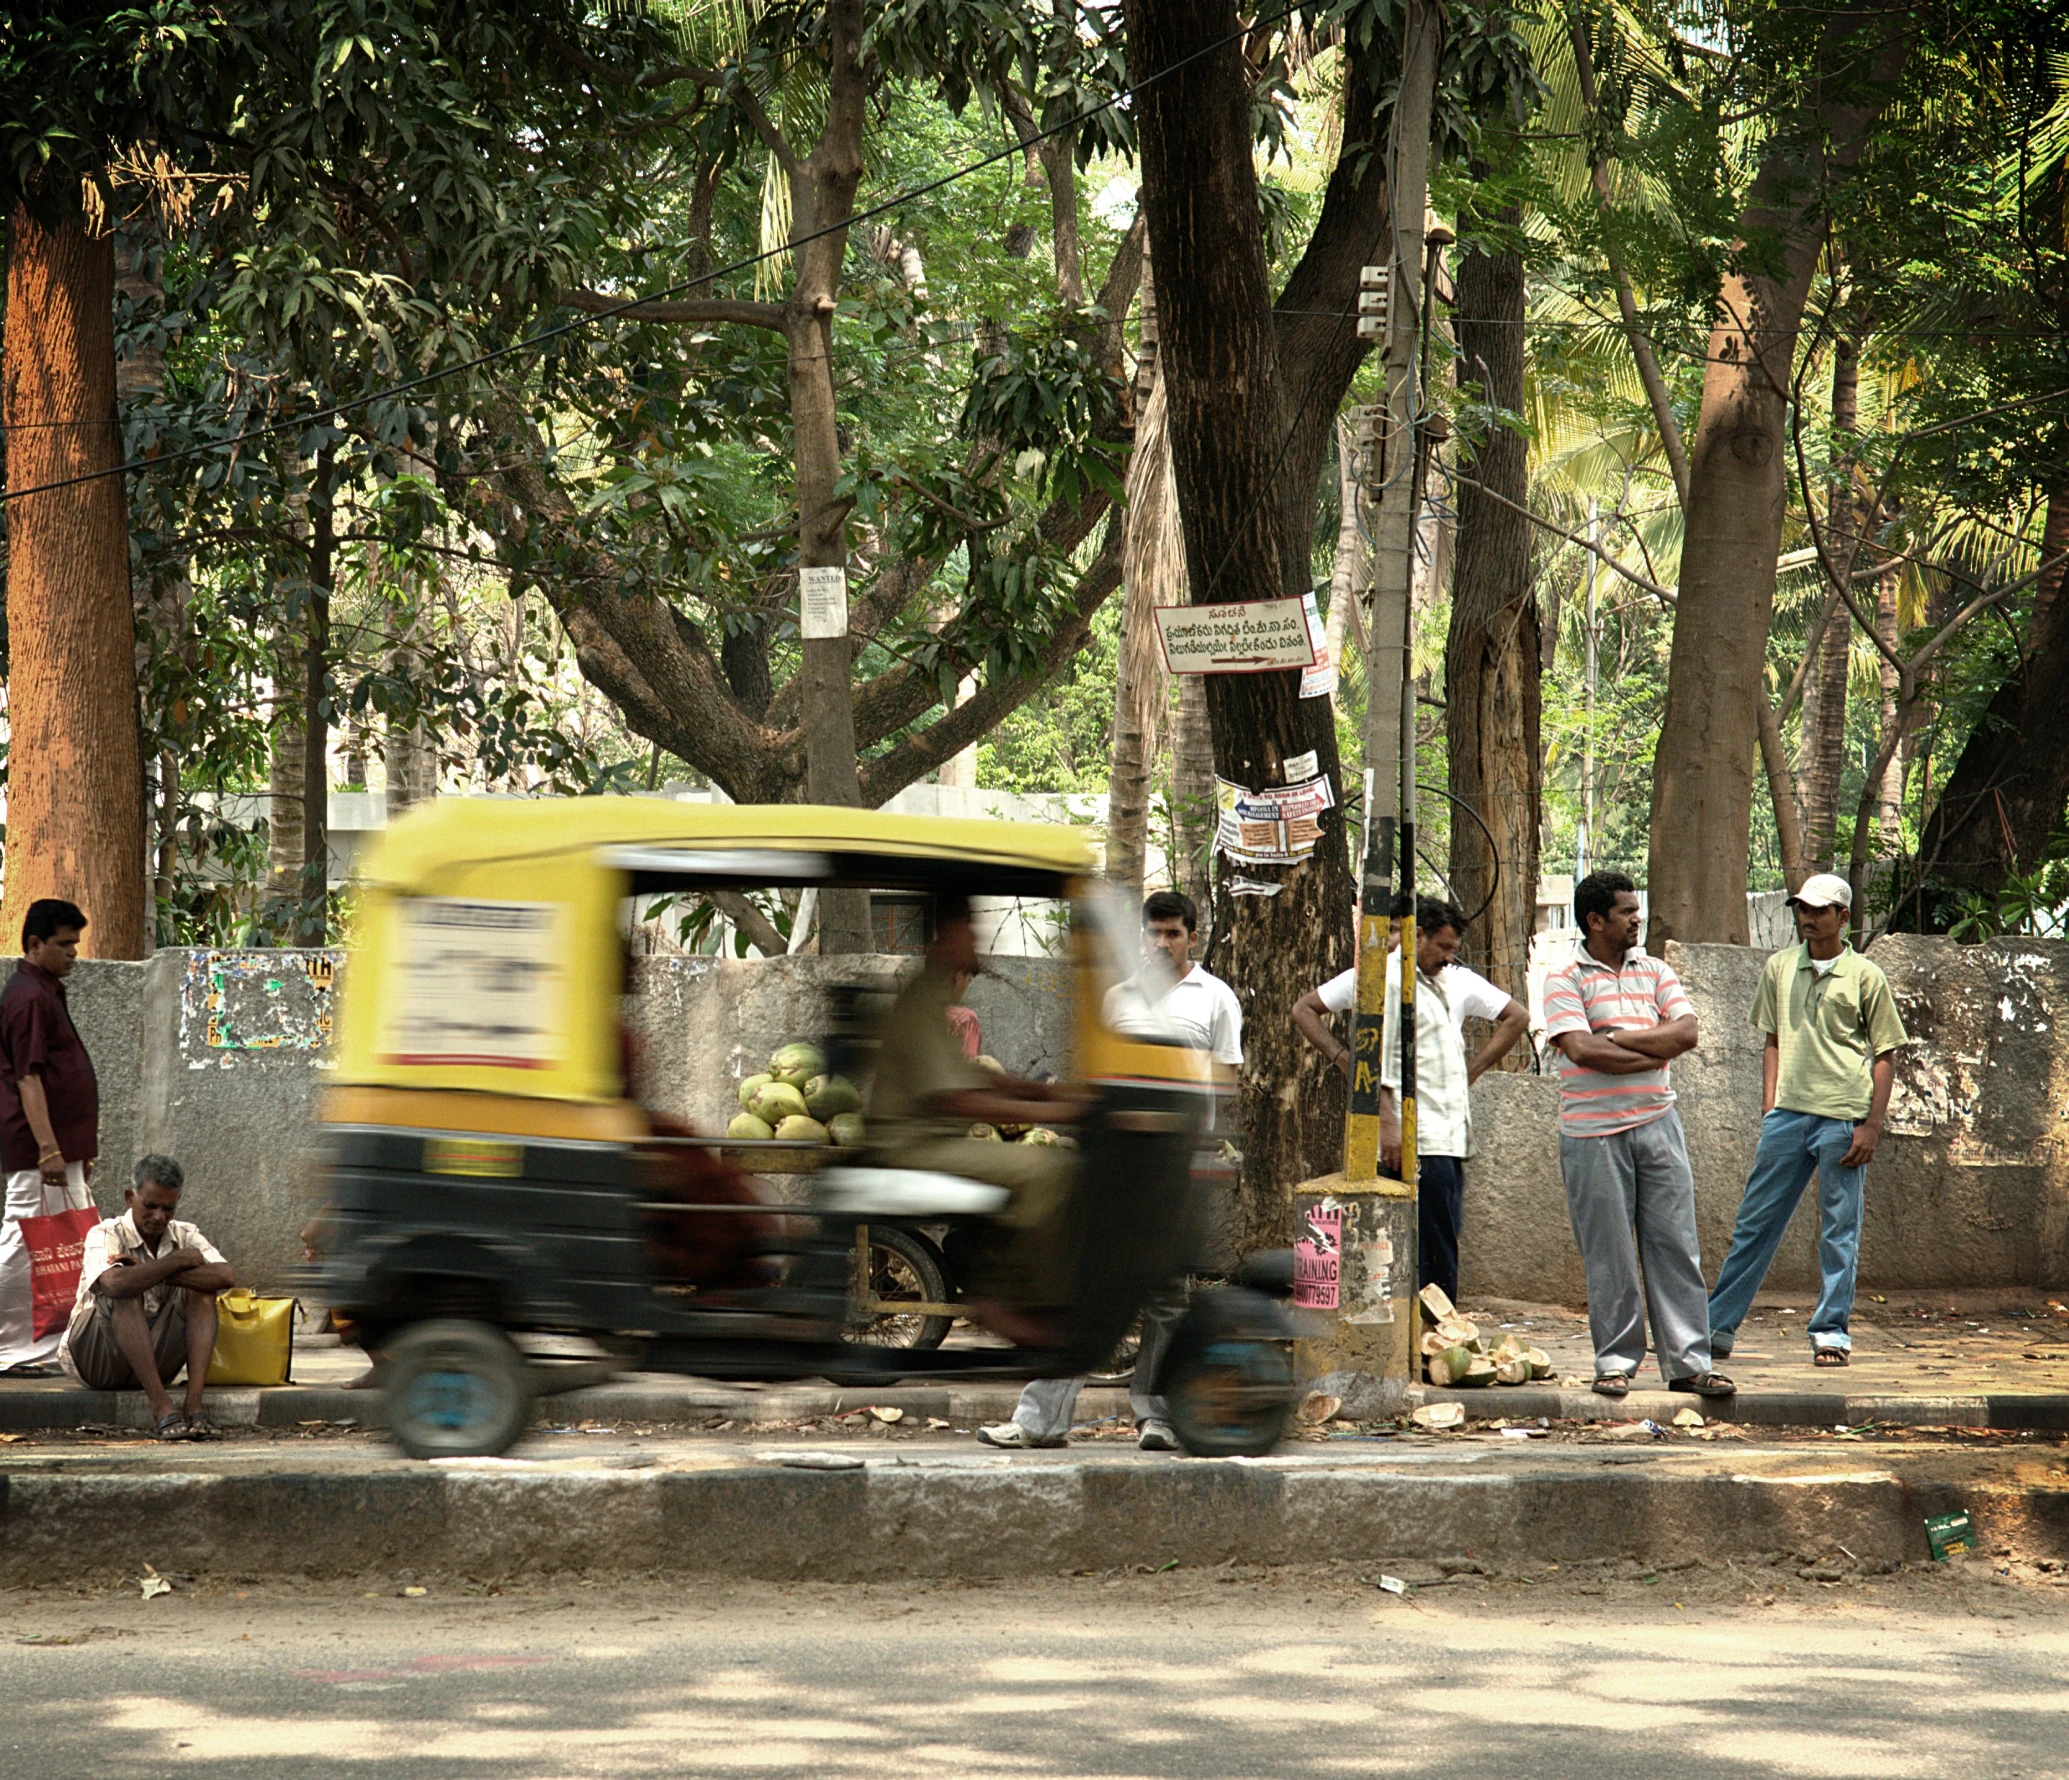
(894, 1518)
(50, 1405)
(1795, 1409)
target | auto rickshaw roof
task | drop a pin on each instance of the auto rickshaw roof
(652, 837)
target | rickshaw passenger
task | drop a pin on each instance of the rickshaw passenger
(927, 1094)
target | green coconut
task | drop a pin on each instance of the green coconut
(752, 1086)
(797, 1064)
(845, 1129)
(1478, 1372)
(778, 1101)
(1041, 1134)
(1450, 1366)
(800, 1129)
(748, 1128)
(986, 1134)
(826, 1095)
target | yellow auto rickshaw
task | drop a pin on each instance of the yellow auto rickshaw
(492, 1181)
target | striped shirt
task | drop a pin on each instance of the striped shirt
(1590, 996)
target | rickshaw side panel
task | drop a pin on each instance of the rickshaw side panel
(554, 1243)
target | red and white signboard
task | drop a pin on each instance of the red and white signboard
(1247, 637)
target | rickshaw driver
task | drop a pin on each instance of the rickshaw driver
(927, 1094)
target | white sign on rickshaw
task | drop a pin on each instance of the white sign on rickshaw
(1244, 637)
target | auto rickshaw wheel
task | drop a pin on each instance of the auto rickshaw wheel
(901, 1265)
(455, 1389)
(1229, 1381)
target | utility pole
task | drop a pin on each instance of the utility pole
(1391, 307)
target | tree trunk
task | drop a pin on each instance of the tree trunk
(2007, 790)
(1154, 574)
(312, 925)
(824, 196)
(1219, 356)
(1890, 805)
(75, 794)
(284, 782)
(1492, 656)
(1702, 785)
(1192, 794)
(161, 597)
(1824, 697)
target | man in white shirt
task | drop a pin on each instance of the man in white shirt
(1170, 996)
(1447, 994)
(1170, 993)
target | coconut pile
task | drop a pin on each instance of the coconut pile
(1456, 1355)
(794, 1100)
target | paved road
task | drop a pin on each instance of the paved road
(1604, 1674)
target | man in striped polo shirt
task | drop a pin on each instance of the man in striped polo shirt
(1618, 1019)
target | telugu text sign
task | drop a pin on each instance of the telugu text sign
(1249, 637)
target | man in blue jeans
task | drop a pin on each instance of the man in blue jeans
(1832, 1029)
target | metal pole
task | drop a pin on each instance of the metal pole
(1391, 467)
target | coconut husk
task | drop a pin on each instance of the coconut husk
(1511, 1368)
(1433, 1342)
(1479, 1371)
(1438, 1416)
(1433, 1299)
(1459, 1331)
(1318, 1407)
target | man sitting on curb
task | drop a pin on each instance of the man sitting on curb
(147, 1303)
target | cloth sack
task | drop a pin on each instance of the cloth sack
(24, 1340)
(255, 1339)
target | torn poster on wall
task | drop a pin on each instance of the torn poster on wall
(1276, 826)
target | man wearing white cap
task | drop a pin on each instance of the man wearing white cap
(1832, 1028)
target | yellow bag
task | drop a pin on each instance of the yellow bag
(255, 1339)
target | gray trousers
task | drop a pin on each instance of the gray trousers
(1047, 1405)
(1632, 1200)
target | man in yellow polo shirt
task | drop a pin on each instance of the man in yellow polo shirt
(1832, 1029)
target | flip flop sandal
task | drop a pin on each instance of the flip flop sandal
(199, 1427)
(1704, 1384)
(171, 1426)
(1829, 1356)
(1612, 1384)
(30, 1369)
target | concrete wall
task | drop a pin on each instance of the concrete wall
(1970, 1187)
(218, 1058)
(705, 1024)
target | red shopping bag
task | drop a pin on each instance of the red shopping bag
(57, 1246)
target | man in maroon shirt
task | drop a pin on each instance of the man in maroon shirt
(49, 1117)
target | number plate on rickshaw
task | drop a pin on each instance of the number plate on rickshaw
(476, 1157)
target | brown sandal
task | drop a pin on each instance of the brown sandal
(1830, 1356)
(1612, 1384)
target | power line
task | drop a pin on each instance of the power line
(1017, 149)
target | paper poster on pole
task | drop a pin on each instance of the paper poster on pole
(1318, 1258)
(1276, 826)
(1318, 681)
(822, 603)
(1246, 637)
